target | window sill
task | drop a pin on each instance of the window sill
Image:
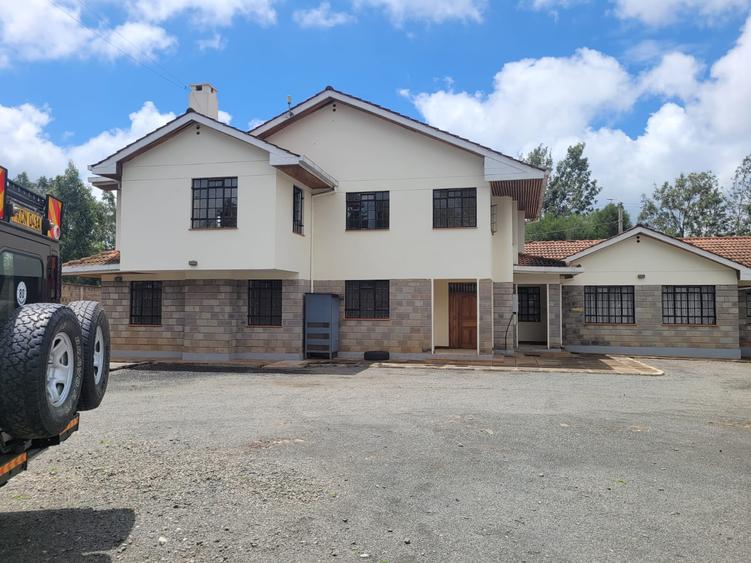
(212, 229)
(264, 326)
(611, 324)
(687, 325)
(136, 325)
(367, 319)
(451, 228)
(367, 230)
(299, 234)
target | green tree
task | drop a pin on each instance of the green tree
(572, 188)
(693, 205)
(599, 224)
(79, 214)
(540, 156)
(739, 200)
(105, 225)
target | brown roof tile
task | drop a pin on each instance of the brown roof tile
(557, 249)
(106, 258)
(737, 249)
(530, 260)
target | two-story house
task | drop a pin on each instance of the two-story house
(221, 232)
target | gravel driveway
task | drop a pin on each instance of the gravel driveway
(397, 465)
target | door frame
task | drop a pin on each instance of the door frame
(452, 297)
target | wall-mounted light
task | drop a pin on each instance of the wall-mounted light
(192, 262)
(118, 278)
(641, 276)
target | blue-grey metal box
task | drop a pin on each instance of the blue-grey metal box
(321, 324)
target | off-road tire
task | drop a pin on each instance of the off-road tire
(90, 316)
(25, 342)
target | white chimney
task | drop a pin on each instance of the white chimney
(202, 99)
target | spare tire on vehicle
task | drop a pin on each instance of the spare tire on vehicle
(41, 370)
(96, 352)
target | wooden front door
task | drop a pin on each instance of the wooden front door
(463, 315)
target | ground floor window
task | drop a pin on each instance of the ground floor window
(529, 304)
(146, 303)
(748, 304)
(366, 299)
(609, 304)
(265, 302)
(688, 304)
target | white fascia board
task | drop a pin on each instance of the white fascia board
(662, 238)
(504, 167)
(499, 170)
(303, 162)
(745, 275)
(109, 165)
(548, 270)
(93, 269)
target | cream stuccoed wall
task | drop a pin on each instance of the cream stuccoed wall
(292, 249)
(503, 249)
(367, 153)
(621, 263)
(156, 204)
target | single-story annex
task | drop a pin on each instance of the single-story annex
(222, 232)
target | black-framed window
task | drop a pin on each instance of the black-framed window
(146, 303)
(454, 208)
(529, 304)
(609, 304)
(265, 302)
(214, 203)
(367, 210)
(688, 304)
(366, 299)
(298, 200)
(748, 304)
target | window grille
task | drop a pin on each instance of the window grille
(265, 302)
(367, 210)
(366, 299)
(454, 208)
(214, 203)
(688, 304)
(146, 303)
(529, 304)
(609, 304)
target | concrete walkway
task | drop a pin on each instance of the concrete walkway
(549, 362)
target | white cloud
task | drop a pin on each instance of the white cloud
(321, 17)
(559, 101)
(212, 12)
(430, 11)
(45, 31)
(225, 117)
(675, 76)
(215, 43)
(255, 122)
(662, 12)
(25, 146)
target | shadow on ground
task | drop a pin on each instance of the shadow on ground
(67, 535)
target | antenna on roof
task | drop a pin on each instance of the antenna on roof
(289, 106)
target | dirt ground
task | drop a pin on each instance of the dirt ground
(391, 464)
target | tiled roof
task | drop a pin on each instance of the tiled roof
(737, 249)
(557, 249)
(106, 258)
(530, 260)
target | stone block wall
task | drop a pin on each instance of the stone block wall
(165, 341)
(744, 321)
(503, 293)
(649, 331)
(554, 315)
(80, 292)
(204, 320)
(406, 331)
(485, 296)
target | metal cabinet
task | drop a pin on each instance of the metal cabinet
(321, 324)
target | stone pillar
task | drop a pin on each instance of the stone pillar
(502, 304)
(485, 320)
(554, 316)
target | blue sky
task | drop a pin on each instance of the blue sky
(643, 82)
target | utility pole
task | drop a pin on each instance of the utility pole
(620, 217)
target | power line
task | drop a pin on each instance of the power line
(154, 67)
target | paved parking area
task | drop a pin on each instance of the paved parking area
(391, 464)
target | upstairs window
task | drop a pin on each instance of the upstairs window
(529, 304)
(265, 302)
(298, 198)
(146, 303)
(454, 208)
(688, 304)
(214, 203)
(366, 299)
(609, 304)
(367, 210)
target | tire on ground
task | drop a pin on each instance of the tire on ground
(96, 352)
(28, 408)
